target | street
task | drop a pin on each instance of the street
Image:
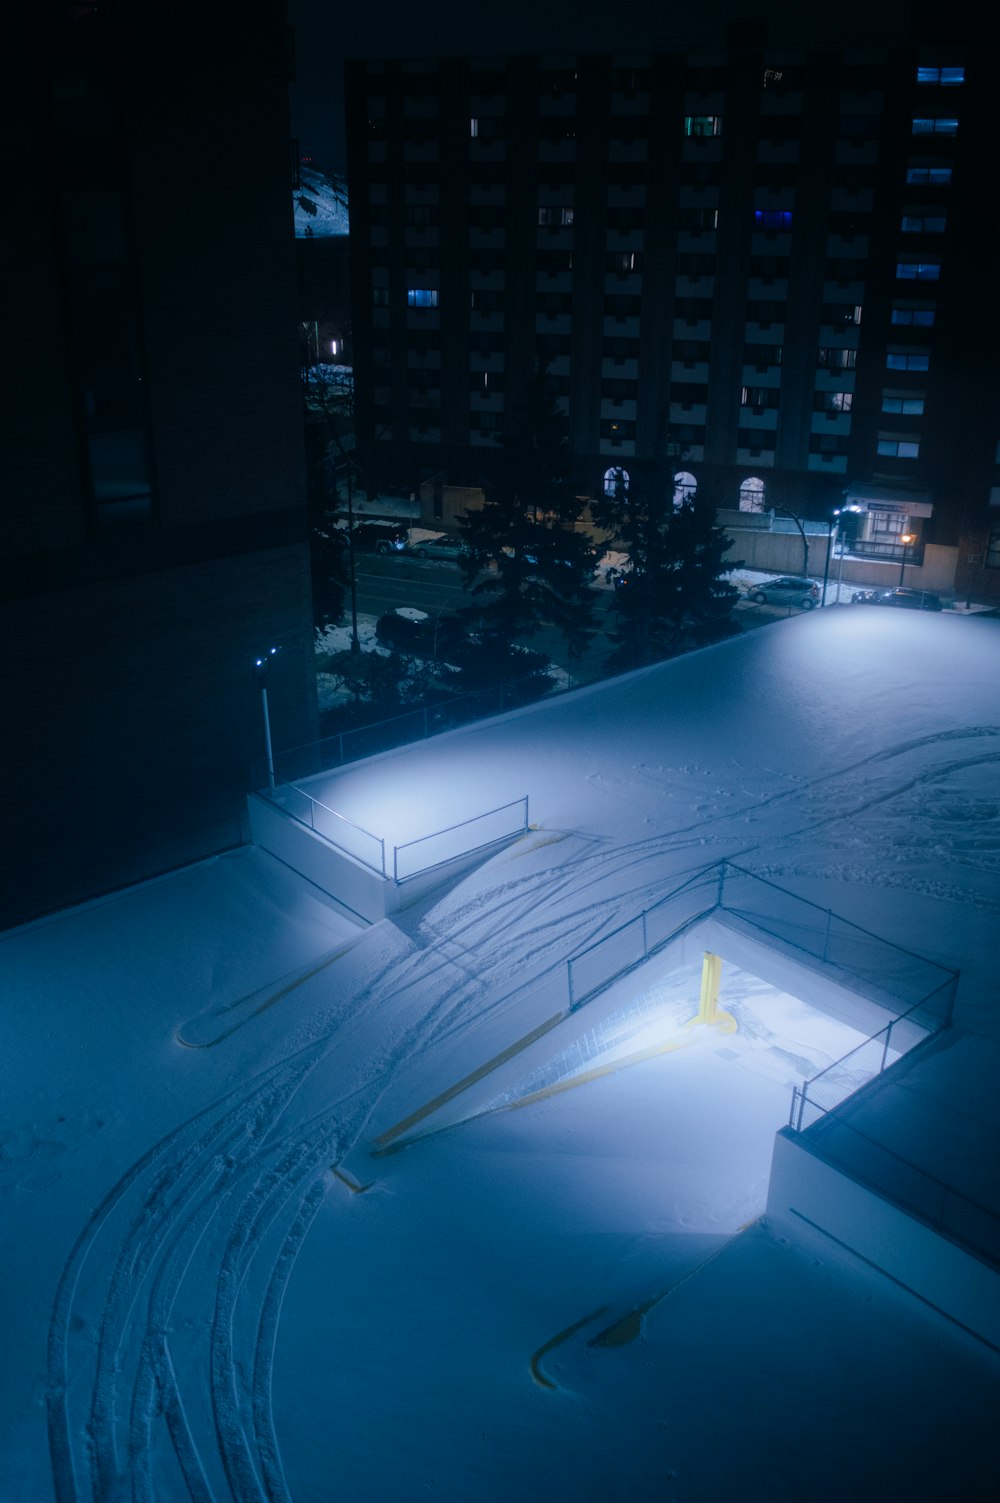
(386, 582)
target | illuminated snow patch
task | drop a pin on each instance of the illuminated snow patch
(778, 1036)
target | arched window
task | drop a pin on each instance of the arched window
(613, 479)
(752, 494)
(685, 489)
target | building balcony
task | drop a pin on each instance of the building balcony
(692, 328)
(763, 421)
(690, 370)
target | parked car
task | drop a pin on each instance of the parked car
(409, 630)
(903, 597)
(790, 589)
(379, 537)
(439, 547)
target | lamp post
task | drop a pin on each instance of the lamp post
(261, 667)
(906, 538)
(355, 644)
(831, 532)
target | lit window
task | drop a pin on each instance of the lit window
(685, 485)
(473, 126)
(616, 482)
(834, 401)
(935, 177)
(703, 125)
(936, 125)
(947, 76)
(909, 406)
(752, 494)
(922, 318)
(773, 219)
(899, 448)
(422, 297)
(896, 360)
(922, 224)
(918, 271)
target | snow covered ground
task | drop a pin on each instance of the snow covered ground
(214, 1290)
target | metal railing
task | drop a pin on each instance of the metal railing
(358, 742)
(832, 1086)
(445, 845)
(340, 831)
(632, 943)
(897, 979)
(412, 857)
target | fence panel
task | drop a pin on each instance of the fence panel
(356, 841)
(421, 855)
(596, 968)
(368, 740)
(695, 900)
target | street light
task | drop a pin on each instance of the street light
(831, 531)
(906, 538)
(261, 667)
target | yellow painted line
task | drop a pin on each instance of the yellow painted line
(536, 1372)
(385, 1139)
(598, 1070)
(348, 1179)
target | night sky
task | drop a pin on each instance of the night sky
(328, 32)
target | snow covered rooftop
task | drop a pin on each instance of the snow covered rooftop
(215, 1290)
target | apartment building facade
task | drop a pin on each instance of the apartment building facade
(765, 271)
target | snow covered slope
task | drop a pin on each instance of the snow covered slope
(571, 1300)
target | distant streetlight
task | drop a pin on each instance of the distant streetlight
(906, 538)
(261, 667)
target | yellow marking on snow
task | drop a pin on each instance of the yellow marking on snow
(536, 1372)
(598, 1070)
(385, 1139)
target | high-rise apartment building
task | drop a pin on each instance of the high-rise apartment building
(154, 534)
(768, 270)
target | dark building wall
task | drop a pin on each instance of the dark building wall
(152, 450)
(759, 332)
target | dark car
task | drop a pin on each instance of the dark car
(379, 537)
(409, 630)
(903, 598)
(790, 589)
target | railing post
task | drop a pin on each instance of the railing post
(791, 1114)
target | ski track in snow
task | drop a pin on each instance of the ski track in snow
(211, 1219)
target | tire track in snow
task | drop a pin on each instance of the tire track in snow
(168, 1238)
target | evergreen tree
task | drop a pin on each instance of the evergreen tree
(673, 593)
(539, 568)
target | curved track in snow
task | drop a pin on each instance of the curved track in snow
(163, 1331)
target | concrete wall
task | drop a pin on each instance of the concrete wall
(804, 1186)
(781, 553)
(358, 887)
